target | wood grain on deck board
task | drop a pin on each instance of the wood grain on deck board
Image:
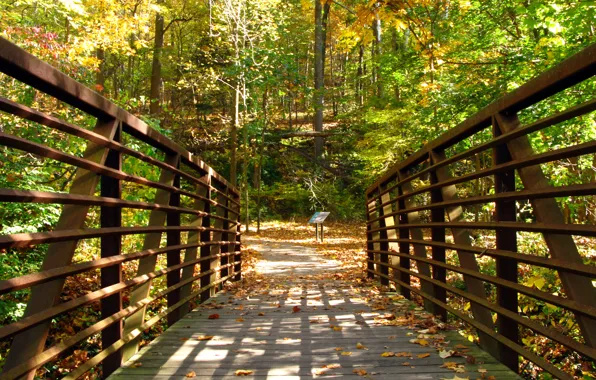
(284, 344)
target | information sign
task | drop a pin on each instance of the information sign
(318, 217)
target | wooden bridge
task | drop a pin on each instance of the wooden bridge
(410, 208)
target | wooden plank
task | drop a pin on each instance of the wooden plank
(467, 260)
(147, 264)
(578, 288)
(31, 342)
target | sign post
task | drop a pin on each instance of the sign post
(317, 219)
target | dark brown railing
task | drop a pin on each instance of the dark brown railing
(195, 207)
(414, 204)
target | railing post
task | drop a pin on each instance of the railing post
(225, 249)
(147, 264)
(404, 233)
(29, 343)
(369, 239)
(205, 237)
(417, 234)
(505, 211)
(384, 245)
(237, 247)
(190, 254)
(173, 257)
(438, 253)
(111, 246)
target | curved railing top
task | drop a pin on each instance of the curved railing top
(30, 70)
(568, 73)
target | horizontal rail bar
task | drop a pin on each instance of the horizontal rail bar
(549, 192)
(565, 303)
(30, 196)
(569, 113)
(51, 353)
(97, 359)
(24, 240)
(547, 332)
(32, 279)
(568, 73)
(30, 70)
(500, 338)
(581, 269)
(33, 320)
(562, 229)
(553, 155)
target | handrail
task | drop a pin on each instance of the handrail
(415, 203)
(195, 207)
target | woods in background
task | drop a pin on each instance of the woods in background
(303, 103)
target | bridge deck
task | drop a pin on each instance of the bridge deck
(264, 333)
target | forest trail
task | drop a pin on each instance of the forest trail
(299, 320)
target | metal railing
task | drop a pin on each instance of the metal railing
(414, 204)
(196, 208)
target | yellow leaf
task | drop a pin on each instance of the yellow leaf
(205, 337)
(360, 346)
(422, 356)
(191, 374)
(360, 372)
(388, 354)
(244, 372)
(346, 353)
(240, 319)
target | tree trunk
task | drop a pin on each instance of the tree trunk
(359, 84)
(319, 84)
(100, 76)
(233, 136)
(261, 146)
(155, 91)
(377, 52)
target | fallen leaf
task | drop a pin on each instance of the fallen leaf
(240, 319)
(460, 346)
(332, 366)
(205, 337)
(339, 348)
(320, 371)
(405, 364)
(213, 316)
(296, 309)
(261, 314)
(403, 354)
(388, 354)
(346, 353)
(337, 328)
(445, 354)
(191, 374)
(360, 372)
(422, 356)
(136, 365)
(361, 346)
(244, 372)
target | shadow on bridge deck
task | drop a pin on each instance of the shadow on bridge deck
(264, 333)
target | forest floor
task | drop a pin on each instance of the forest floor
(305, 309)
